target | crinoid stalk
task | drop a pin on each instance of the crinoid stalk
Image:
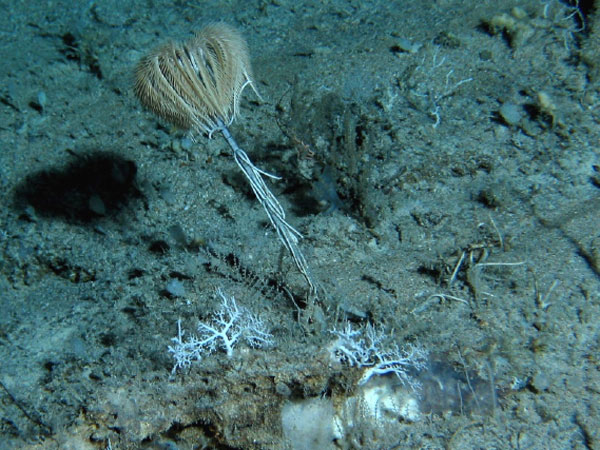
(196, 85)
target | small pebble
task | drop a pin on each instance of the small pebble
(175, 288)
(511, 113)
(42, 100)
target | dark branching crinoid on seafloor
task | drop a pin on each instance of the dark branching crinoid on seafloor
(197, 85)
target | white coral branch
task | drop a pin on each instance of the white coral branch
(365, 348)
(227, 326)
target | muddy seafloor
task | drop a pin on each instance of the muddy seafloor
(441, 160)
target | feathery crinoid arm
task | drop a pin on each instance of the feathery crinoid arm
(196, 84)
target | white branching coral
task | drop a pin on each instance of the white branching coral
(365, 348)
(227, 326)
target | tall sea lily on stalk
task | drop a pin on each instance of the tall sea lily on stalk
(196, 85)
